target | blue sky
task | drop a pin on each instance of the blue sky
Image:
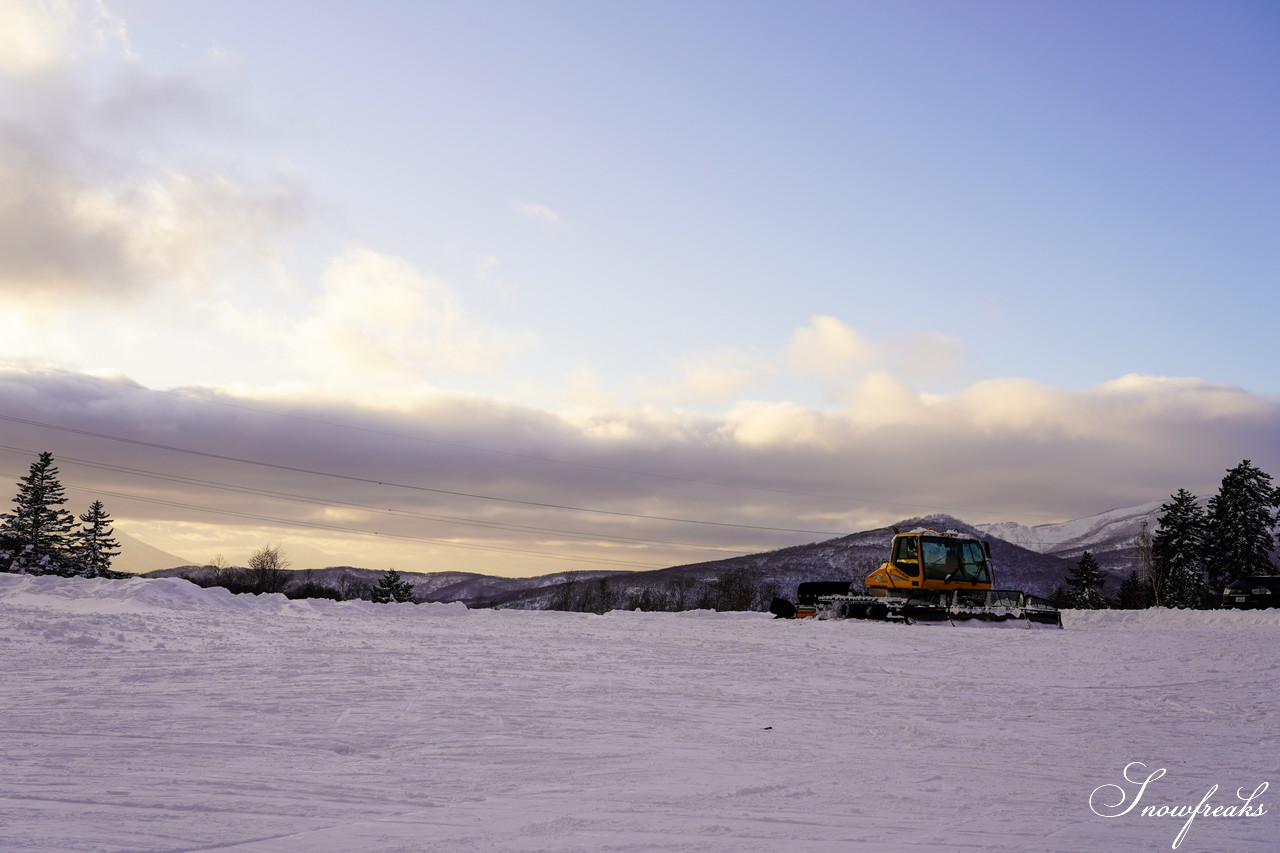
(742, 238)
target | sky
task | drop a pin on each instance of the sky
(524, 287)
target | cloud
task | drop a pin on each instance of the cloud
(582, 388)
(42, 36)
(543, 214)
(377, 324)
(879, 398)
(109, 227)
(487, 269)
(998, 450)
(93, 204)
(829, 350)
(711, 377)
(33, 36)
(61, 236)
(779, 425)
(925, 354)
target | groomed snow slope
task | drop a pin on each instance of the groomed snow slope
(152, 715)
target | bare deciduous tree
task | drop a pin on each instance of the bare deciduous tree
(267, 569)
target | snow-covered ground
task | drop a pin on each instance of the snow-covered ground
(152, 715)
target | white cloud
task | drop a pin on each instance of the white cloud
(829, 350)
(92, 201)
(378, 319)
(542, 213)
(711, 377)
(60, 235)
(925, 355)
(711, 381)
(39, 36)
(487, 269)
(34, 35)
(582, 388)
(220, 55)
(764, 425)
(1181, 397)
(880, 398)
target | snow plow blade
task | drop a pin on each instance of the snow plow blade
(993, 607)
(1005, 608)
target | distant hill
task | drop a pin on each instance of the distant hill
(850, 557)
(475, 590)
(137, 557)
(1034, 559)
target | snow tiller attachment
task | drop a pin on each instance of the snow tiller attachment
(930, 578)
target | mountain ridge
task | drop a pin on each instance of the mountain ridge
(1035, 559)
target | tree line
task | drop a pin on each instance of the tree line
(268, 572)
(735, 588)
(39, 535)
(1196, 550)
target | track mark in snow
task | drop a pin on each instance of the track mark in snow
(394, 730)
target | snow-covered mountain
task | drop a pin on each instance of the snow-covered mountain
(1111, 537)
(1113, 530)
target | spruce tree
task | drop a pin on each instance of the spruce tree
(95, 547)
(39, 531)
(1134, 593)
(1178, 553)
(1241, 520)
(392, 588)
(1085, 582)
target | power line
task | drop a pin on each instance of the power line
(340, 529)
(370, 481)
(367, 508)
(268, 493)
(554, 461)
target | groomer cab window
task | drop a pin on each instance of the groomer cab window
(906, 555)
(955, 560)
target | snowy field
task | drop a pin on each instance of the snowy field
(156, 716)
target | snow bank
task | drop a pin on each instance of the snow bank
(1168, 618)
(143, 595)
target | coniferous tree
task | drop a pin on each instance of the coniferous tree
(95, 547)
(39, 530)
(1177, 553)
(1085, 582)
(1134, 593)
(1241, 520)
(392, 588)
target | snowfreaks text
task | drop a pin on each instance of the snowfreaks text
(1100, 801)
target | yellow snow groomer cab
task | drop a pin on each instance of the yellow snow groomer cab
(928, 560)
